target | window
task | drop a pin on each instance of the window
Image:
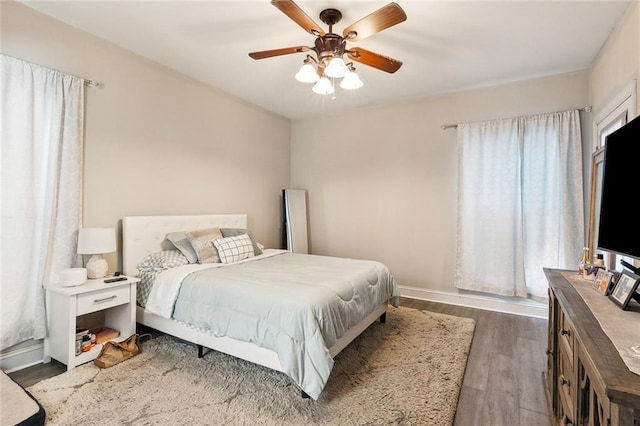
(612, 126)
(610, 119)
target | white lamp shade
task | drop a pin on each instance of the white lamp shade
(323, 87)
(351, 81)
(307, 74)
(336, 68)
(96, 240)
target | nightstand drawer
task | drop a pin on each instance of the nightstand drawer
(96, 301)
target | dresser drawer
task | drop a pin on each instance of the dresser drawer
(565, 335)
(566, 385)
(566, 410)
(98, 300)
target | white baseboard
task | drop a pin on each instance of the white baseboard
(22, 357)
(522, 307)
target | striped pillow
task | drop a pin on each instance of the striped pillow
(233, 249)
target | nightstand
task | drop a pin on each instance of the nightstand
(65, 304)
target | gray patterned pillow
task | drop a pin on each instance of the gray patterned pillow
(201, 242)
(144, 286)
(162, 260)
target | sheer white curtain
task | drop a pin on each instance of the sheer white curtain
(42, 113)
(520, 204)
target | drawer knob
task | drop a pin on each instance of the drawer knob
(567, 420)
(565, 332)
(564, 382)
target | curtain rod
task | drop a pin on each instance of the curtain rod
(455, 126)
(87, 82)
(91, 83)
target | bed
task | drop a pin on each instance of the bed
(286, 311)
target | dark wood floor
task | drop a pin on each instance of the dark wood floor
(503, 379)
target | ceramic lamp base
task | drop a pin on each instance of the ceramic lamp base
(97, 267)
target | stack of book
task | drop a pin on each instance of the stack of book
(80, 333)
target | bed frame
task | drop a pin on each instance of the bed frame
(143, 235)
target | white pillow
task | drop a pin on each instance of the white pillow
(233, 249)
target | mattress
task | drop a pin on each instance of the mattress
(19, 407)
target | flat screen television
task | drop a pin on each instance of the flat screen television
(619, 224)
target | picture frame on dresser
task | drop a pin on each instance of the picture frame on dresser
(624, 289)
(603, 283)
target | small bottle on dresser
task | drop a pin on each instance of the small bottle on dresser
(584, 262)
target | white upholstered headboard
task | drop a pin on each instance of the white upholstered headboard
(143, 235)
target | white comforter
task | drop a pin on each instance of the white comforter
(294, 304)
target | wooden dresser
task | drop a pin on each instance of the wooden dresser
(586, 380)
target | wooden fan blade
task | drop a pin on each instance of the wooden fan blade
(278, 52)
(293, 11)
(383, 63)
(381, 19)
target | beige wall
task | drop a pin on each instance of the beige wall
(383, 187)
(158, 142)
(616, 67)
(382, 181)
(618, 63)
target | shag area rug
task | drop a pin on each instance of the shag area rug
(407, 371)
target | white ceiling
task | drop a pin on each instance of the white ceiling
(445, 45)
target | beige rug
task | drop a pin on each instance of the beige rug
(407, 371)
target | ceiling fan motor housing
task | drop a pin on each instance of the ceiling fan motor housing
(329, 46)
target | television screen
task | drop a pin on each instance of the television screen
(619, 226)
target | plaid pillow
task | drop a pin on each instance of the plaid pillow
(234, 232)
(233, 249)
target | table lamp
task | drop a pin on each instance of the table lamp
(96, 241)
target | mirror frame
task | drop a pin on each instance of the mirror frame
(597, 161)
(623, 104)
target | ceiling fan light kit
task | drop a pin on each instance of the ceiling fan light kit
(323, 87)
(330, 48)
(307, 73)
(336, 68)
(351, 81)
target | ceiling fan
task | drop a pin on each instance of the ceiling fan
(329, 47)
